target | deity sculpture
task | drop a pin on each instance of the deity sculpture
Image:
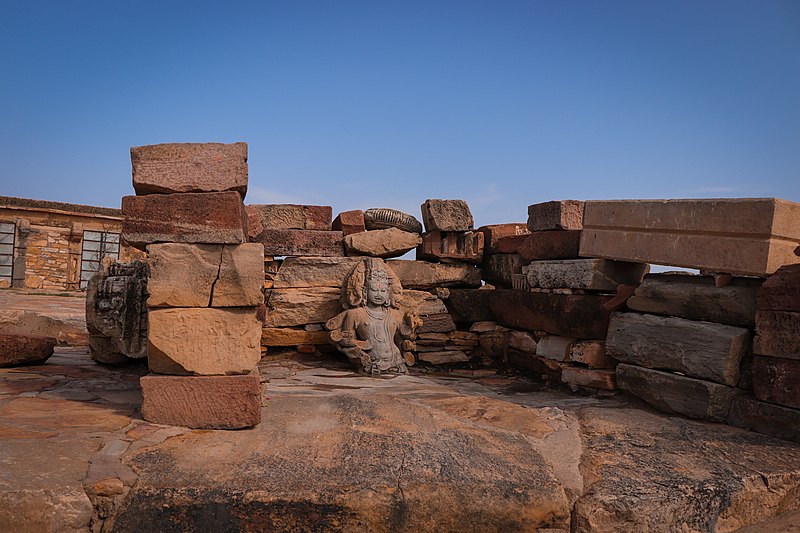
(374, 331)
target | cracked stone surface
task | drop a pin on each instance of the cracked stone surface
(461, 451)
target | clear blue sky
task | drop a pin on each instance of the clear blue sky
(379, 104)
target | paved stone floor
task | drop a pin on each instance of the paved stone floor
(337, 451)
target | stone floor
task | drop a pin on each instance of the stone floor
(337, 451)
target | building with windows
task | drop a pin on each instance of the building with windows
(55, 245)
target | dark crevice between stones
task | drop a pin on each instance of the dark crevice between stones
(219, 270)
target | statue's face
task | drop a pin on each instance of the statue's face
(377, 293)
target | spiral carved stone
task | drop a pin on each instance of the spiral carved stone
(382, 218)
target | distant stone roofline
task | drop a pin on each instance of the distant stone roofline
(28, 203)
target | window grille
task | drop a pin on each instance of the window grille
(96, 246)
(7, 231)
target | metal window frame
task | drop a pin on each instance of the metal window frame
(100, 253)
(13, 234)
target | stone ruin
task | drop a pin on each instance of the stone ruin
(566, 295)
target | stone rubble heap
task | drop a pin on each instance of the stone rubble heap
(204, 284)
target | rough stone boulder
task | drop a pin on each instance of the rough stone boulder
(25, 349)
(385, 243)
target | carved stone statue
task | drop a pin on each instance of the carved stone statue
(374, 331)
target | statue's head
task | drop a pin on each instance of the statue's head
(371, 283)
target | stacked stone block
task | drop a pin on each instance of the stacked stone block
(775, 410)
(204, 284)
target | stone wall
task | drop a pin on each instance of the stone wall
(48, 240)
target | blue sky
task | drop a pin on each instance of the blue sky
(378, 104)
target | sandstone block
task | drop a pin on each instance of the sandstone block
(203, 341)
(494, 232)
(384, 218)
(555, 347)
(778, 334)
(204, 218)
(254, 227)
(298, 272)
(765, 418)
(385, 243)
(349, 222)
(522, 341)
(562, 215)
(555, 244)
(510, 245)
(674, 393)
(202, 402)
(736, 236)
(483, 326)
(436, 323)
(294, 242)
(469, 305)
(423, 303)
(443, 357)
(451, 246)
(25, 349)
(777, 380)
(781, 291)
(569, 315)
(696, 298)
(500, 268)
(296, 307)
(189, 167)
(292, 216)
(446, 215)
(292, 337)
(205, 275)
(698, 349)
(589, 274)
(424, 275)
(591, 353)
(589, 377)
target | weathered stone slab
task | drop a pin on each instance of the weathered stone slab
(385, 243)
(494, 232)
(202, 402)
(424, 275)
(777, 380)
(446, 215)
(204, 218)
(423, 303)
(589, 377)
(443, 357)
(560, 215)
(384, 218)
(765, 418)
(698, 349)
(189, 167)
(293, 216)
(297, 272)
(696, 298)
(25, 349)
(436, 323)
(349, 222)
(469, 305)
(591, 353)
(295, 242)
(254, 227)
(500, 268)
(510, 245)
(522, 341)
(292, 337)
(451, 246)
(205, 275)
(572, 315)
(589, 274)
(296, 307)
(737, 236)
(674, 393)
(203, 341)
(555, 244)
(777, 334)
(554, 347)
(781, 291)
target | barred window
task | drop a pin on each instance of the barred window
(96, 246)
(7, 231)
